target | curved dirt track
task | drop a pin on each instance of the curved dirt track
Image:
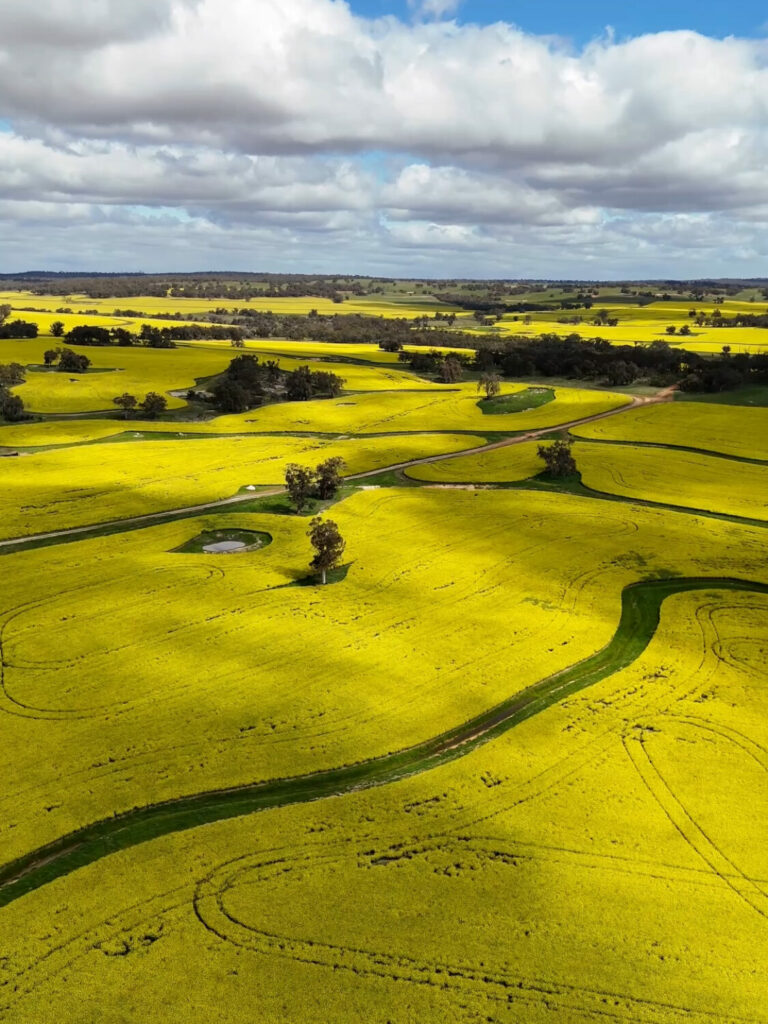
(150, 518)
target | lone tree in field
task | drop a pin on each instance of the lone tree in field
(558, 458)
(490, 383)
(153, 405)
(328, 478)
(57, 328)
(125, 402)
(328, 544)
(300, 483)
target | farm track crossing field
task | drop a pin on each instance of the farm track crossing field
(433, 408)
(562, 701)
(97, 483)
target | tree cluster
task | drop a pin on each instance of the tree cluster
(241, 287)
(391, 334)
(558, 458)
(151, 406)
(447, 366)
(247, 382)
(68, 361)
(18, 329)
(322, 482)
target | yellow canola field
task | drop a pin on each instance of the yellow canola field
(138, 370)
(273, 347)
(420, 408)
(112, 372)
(704, 482)
(500, 465)
(70, 320)
(408, 307)
(638, 328)
(641, 324)
(327, 350)
(67, 487)
(685, 479)
(562, 869)
(72, 431)
(452, 407)
(134, 674)
(732, 430)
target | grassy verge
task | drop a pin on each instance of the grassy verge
(752, 394)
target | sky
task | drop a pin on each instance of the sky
(419, 138)
(587, 19)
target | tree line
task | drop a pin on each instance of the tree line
(149, 336)
(597, 360)
(196, 286)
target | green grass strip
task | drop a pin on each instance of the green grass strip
(640, 613)
(520, 401)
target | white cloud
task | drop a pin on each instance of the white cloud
(82, 23)
(304, 121)
(434, 8)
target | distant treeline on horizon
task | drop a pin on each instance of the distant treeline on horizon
(245, 285)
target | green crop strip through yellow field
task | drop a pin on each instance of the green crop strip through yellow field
(88, 628)
(595, 803)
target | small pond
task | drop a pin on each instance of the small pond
(220, 546)
(225, 542)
